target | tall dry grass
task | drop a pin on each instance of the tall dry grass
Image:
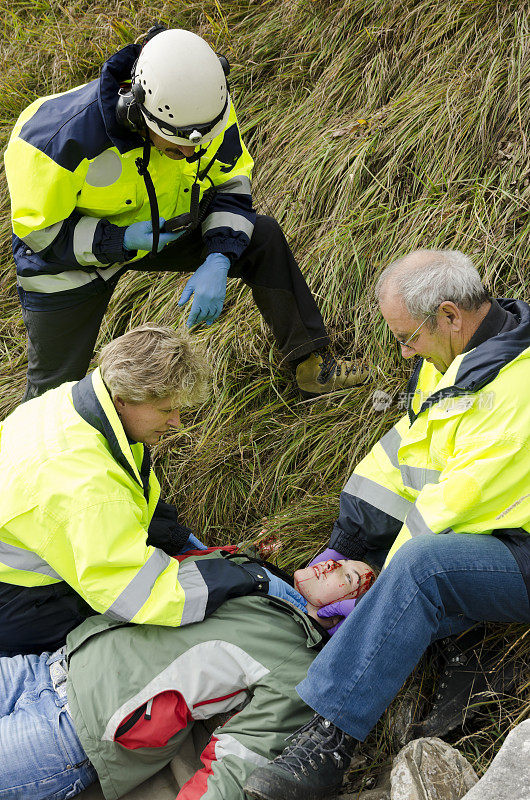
(377, 128)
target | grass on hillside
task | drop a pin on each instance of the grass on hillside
(377, 128)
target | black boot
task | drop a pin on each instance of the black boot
(310, 767)
(472, 672)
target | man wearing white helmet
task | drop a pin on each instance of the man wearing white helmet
(144, 168)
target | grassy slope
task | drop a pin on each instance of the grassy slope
(377, 128)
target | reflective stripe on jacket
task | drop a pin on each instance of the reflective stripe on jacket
(77, 499)
(75, 187)
(458, 461)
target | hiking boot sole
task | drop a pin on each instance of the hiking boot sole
(273, 787)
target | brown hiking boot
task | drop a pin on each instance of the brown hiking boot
(323, 372)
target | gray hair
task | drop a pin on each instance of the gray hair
(153, 362)
(425, 278)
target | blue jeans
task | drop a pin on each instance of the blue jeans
(434, 586)
(40, 753)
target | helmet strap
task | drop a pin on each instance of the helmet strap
(142, 167)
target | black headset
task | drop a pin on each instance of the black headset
(130, 101)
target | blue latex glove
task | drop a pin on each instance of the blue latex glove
(139, 236)
(192, 544)
(342, 608)
(281, 589)
(328, 554)
(208, 285)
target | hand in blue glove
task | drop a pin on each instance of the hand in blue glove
(327, 555)
(208, 284)
(192, 544)
(139, 236)
(281, 589)
(342, 608)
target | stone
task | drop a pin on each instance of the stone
(370, 794)
(508, 776)
(430, 769)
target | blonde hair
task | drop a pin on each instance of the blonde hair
(153, 362)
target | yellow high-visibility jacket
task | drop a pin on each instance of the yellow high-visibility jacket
(76, 502)
(458, 461)
(75, 187)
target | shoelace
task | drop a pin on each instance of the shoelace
(331, 363)
(333, 742)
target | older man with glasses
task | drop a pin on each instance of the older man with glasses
(414, 335)
(442, 501)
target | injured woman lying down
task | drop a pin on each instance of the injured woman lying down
(117, 702)
(329, 582)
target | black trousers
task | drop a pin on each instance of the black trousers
(61, 343)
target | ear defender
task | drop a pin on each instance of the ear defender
(128, 112)
(138, 92)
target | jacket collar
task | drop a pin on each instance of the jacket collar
(497, 320)
(482, 364)
(93, 403)
(117, 70)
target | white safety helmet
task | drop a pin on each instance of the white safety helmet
(180, 87)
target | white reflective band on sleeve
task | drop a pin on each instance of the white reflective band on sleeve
(18, 558)
(224, 219)
(71, 279)
(226, 745)
(137, 591)
(195, 593)
(63, 281)
(412, 477)
(239, 184)
(108, 272)
(390, 443)
(418, 477)
(416, 524)
(378, 496)
(84, 239)
(38, 240)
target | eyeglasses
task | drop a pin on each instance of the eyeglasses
(418, 329)
(185, 131)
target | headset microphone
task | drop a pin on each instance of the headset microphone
(196, 156)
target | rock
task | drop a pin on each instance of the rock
(430, 769)
(508, 777)
(371, 794)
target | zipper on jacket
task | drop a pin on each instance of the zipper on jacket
(126, 726)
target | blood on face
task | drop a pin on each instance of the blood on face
(329, 581)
